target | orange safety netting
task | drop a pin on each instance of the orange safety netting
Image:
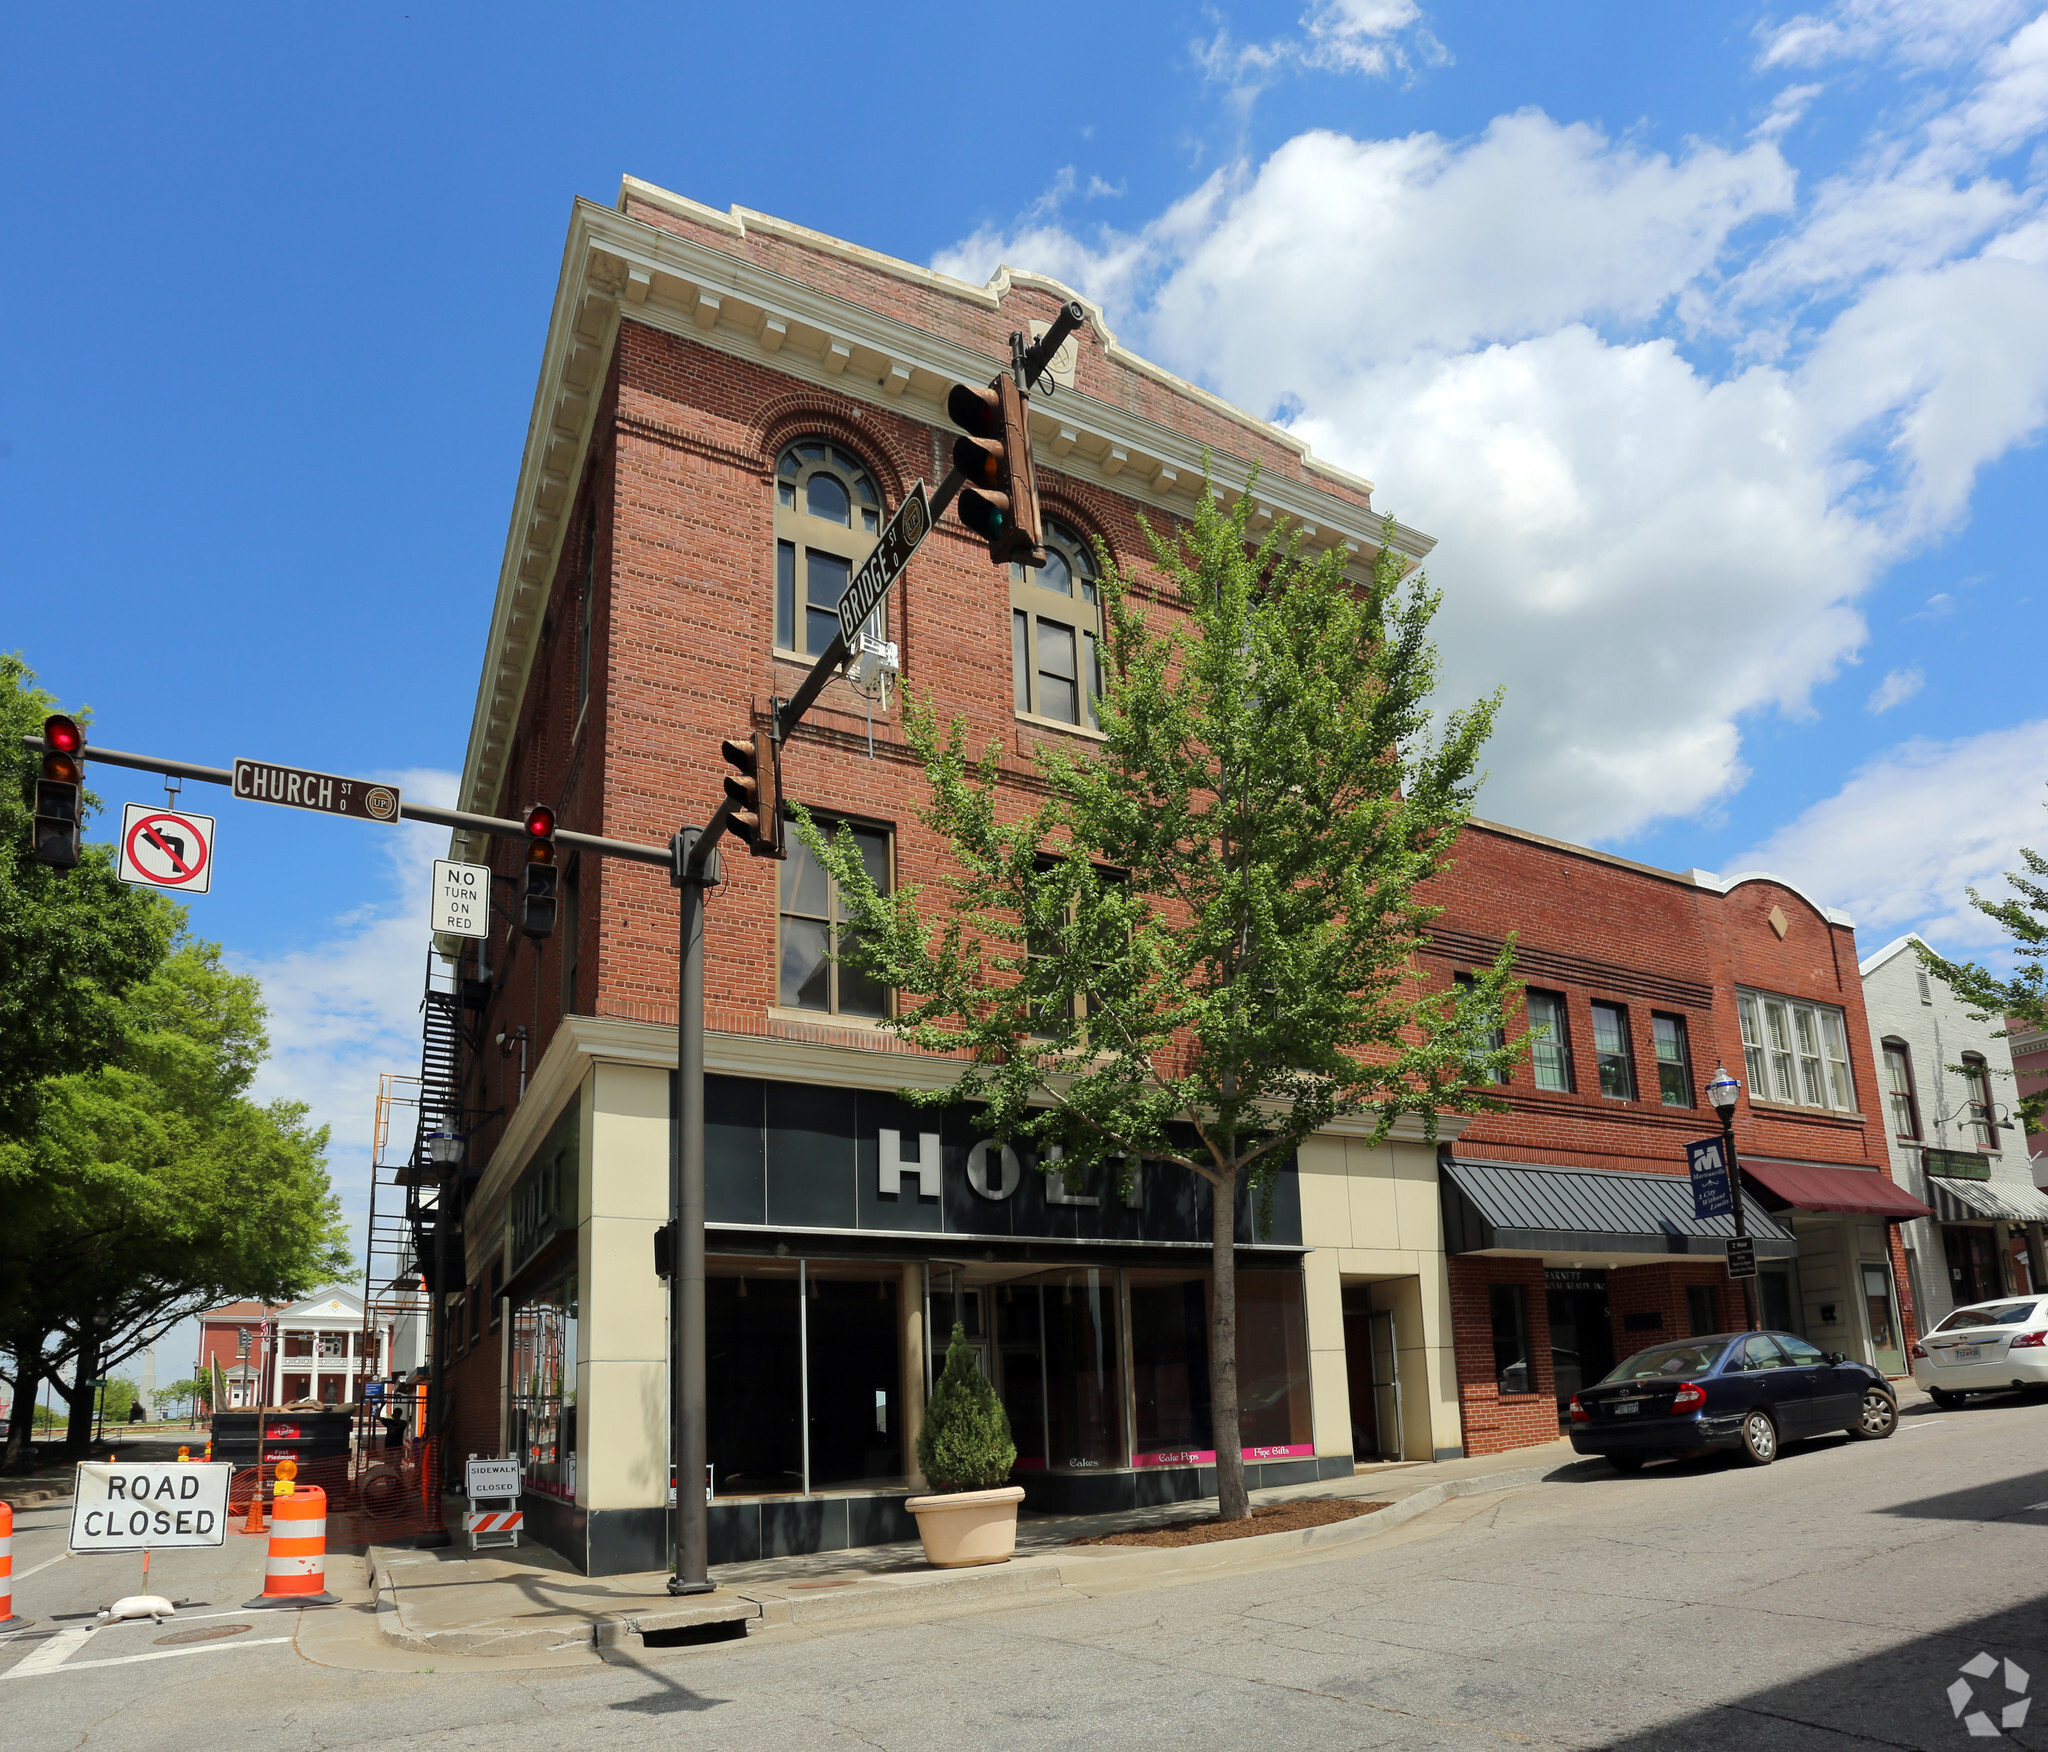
(373, 1496)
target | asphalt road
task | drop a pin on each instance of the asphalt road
(1828, 1601)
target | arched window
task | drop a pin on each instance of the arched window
(1055, 631)
(828, 513)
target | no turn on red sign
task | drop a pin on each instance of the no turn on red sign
(166, 848)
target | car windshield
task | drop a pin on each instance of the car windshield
(1998, 1314)
(1669, 1362)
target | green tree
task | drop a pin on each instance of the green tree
(1196, 946)
(138, 1182)
(2023, 997)
(179, 1398)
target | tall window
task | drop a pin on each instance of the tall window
(827, 516)
(583, 612)
(1508, 1306)
(1674, 1060)
(1610, 1048)
(1977, 1107)
(814, 929)
(1797, 1053)
(572, 927)
(1550, 1048)
(1055, 627)
(1899, 1095)
(1496, 1037)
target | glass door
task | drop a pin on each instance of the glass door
(1881, 1307)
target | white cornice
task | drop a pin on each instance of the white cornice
(613, 265)
(1728, 884)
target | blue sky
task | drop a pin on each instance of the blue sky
(1708, 340)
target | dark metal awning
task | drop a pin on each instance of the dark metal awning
(1532, 1208)
(1810, 1186)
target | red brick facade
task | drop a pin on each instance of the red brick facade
(1589, 928)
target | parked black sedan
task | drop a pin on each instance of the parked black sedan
(1749, 1392)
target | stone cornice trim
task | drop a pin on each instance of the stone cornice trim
(614, 266)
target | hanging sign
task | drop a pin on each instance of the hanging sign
(462, 898)
(911, 524)
(1711, 1196)
(166, 848)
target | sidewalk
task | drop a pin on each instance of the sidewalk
(529, 1602)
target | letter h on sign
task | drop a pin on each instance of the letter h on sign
(894, 1167)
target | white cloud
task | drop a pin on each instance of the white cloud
(348, 1008)
(1920, 33)
(1898, 844)
(1646, 548)
(1899, 686)
(1376, 38)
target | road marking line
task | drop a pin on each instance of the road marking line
(171, 1654)
(45, 1564)
(51, 1654)
(2031, 1509)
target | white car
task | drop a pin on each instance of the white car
(1988, 1347)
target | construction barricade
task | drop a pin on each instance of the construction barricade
(7, 1619)
(296, 1571)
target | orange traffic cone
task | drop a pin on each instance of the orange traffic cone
(7, 1619)
(253, 1522)
(296, 1573)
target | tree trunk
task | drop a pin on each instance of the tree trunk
(1233, 1502)
(21, 1422)
(78, 1430)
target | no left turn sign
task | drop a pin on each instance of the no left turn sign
(166, 848)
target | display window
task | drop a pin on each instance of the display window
(544, 1388)
(1170, 1405)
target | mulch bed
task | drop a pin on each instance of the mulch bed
(1279, 1518)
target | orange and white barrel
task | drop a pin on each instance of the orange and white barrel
(7, 1566)
(295, 1573)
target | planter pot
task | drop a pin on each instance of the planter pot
(967, 1527)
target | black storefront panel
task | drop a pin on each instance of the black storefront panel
(798, 1156)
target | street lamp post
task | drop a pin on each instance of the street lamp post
(1722, 1092)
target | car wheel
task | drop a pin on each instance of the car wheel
(1944, 1400)
(1880, 1416)
(1759, 1439)
(1626, 1462)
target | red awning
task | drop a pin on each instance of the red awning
(1807, 1186)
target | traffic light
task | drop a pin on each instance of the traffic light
(59, 788)
(1000, 500)
(754, 789)
(537, 886)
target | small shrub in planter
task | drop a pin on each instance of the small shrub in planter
(965, 1443)
(965, 1450)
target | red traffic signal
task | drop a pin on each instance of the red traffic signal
(1000, 500)
(753, 789)
(538, 883)
(60, 789)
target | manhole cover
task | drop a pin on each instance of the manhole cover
(202, 1633)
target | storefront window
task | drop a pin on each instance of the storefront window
(853, 1343)
(1170, 1365)
(754, 1368)
(1084, 1411)
(544, 1389)
(1272, 1364)
(1020, 1348)
(1509, 1306)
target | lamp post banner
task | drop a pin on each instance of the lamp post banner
(1711, 1196)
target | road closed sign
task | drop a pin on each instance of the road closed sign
(149, 1505)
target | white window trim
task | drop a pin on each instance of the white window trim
(1749, 1002)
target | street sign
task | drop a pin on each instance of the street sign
(166, 848)
(1741, 1257)
(1710, 1194)
(462, 898)
(149, 1505)
(261, 781)
(911, 524)
(491, 1478)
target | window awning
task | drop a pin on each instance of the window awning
(1808, 1186)
(1532, 1208)
(1971, 1201)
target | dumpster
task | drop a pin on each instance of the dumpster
(287, 1435)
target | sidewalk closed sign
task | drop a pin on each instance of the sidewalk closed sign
(492, 1478)
(149, 1505)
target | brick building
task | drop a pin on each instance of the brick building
(1568, 1221)
(314, 1348)
(729, 408)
